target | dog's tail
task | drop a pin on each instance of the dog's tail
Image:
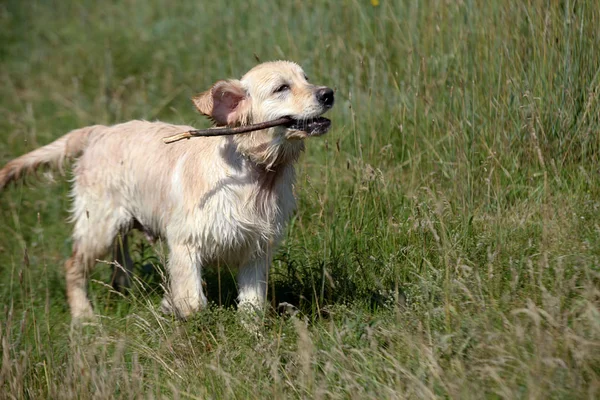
(54, 154)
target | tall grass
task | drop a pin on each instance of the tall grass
(446, 242)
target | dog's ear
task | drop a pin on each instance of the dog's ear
(226, 103)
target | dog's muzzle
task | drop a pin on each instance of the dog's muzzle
(319, 125)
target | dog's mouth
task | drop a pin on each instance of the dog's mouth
(311, 126)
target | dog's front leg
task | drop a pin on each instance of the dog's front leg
(252, 284)
(186, 294)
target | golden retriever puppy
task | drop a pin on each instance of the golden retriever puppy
(223, 199)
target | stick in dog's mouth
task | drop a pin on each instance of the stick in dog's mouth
(313, 127)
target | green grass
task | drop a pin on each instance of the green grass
(447, 241)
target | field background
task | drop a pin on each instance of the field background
(447, 241)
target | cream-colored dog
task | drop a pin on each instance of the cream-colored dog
(223, 199)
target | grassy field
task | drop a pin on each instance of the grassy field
(447, 241)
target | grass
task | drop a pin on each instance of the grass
(447, 240)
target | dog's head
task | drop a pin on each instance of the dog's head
(267, 92)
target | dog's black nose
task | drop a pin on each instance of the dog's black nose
(325, 97)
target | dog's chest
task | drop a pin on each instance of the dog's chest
(244, 213)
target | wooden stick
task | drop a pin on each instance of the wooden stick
(227, 130)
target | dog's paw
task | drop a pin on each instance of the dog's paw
(82, 311)
(166, 307)
(251, 317)
(85, 317)
(182, 309)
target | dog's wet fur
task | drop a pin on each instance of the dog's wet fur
(213, 200)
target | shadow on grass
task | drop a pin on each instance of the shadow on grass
(310, 287)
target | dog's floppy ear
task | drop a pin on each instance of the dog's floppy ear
(226, 103)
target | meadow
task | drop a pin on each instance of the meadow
(446, 242)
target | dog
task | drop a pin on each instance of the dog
(215, 200)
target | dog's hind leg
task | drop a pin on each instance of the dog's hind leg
(97, 223)
(123, 268)
(76, 269)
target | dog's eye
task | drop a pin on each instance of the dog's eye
(282, 88)
(306, 78)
